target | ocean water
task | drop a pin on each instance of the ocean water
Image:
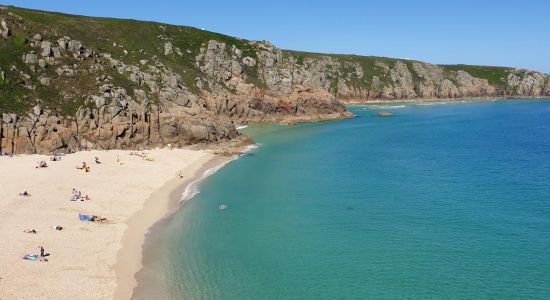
(448, 201)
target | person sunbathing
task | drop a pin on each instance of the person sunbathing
(83, 166)
(42, 164)
(98, 219)
(97, 160)
(29, 231)
(25, 194)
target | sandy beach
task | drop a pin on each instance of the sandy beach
(87, 260)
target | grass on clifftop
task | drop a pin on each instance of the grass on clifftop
(495, 75)
(11, 92)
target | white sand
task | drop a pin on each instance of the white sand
(83, 255)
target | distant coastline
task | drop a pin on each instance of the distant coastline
(435, 100)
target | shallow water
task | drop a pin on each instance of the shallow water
(438, 201)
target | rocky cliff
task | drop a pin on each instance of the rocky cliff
(71, 82)
(363, 79)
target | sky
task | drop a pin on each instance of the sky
(482, 32)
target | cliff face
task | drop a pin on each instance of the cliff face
(70, 83)
(362, 79)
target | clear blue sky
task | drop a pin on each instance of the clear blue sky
(487, 32)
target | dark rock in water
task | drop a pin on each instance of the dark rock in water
(384, 114)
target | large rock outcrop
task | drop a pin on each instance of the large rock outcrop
(64, 89)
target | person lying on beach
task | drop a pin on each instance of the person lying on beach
(98, 219)
(97, 160)
(83, 166)
(57, 227)
(29, 231)
(25, 194)
(42, 164)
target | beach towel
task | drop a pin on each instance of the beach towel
(30, 257)
(85, 218)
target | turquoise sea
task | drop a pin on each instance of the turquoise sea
(443, 201)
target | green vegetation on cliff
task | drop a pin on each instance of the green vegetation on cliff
(495, 75)
(129, 40)
(134, 41)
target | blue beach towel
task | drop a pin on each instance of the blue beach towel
(84, 218)
(30, 257)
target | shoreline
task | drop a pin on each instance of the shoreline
(160, 205)
(435, 100)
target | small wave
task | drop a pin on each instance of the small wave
(192, 189)
(430, 103)
(241, 127)
(387, 106)
(251, 147)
